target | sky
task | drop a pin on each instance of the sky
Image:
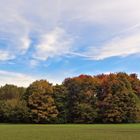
(56, 39)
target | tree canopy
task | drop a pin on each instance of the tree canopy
(104, 98)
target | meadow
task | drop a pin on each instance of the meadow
(70, 132)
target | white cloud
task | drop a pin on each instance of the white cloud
(14, 29)
(24, 80)
(55, 43)
(4, 55)
(100, 11)
(121, 46)
(53, 24)
(33, 63)
(15, 78)
(25, 41)
(21, 18)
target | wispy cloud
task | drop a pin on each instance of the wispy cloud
(125, 43)
(15, 78)
(121, 47)
(5, 55)
(33, 63)
(19, 19)
(24, 80)
(55, 43)
(35, 30)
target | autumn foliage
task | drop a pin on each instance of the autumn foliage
(105, 98)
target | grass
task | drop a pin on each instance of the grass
(70, 132)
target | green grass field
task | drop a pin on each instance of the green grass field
(70, 132)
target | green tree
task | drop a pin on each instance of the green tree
(135, 82)
(60, 95)
(82, 92)
(8, 92)
(12, 107)
(2, 105)
(117, 101)
(15, 111)
(40, 100)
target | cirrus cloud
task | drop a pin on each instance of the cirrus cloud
(15, 78)
(20, 20)
(120, 46)
(55, 43)
(35, 30)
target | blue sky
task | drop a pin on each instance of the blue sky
(55, 39)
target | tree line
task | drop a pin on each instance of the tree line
(104, 98)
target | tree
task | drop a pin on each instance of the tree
(15, 111)
(2, 105)
(117, 102)
(105, 98)
(81, 99)
(40, 100)
(135, 82)
(8, 92)
(12, 107)
(60, 96)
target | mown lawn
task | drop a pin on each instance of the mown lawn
(70, 132)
